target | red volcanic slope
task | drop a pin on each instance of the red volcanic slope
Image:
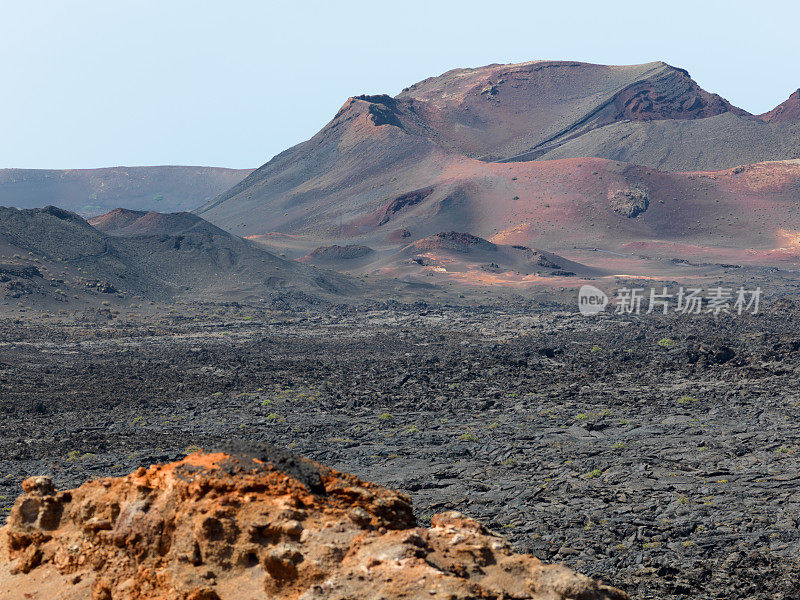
(553, 204)
(787, 111)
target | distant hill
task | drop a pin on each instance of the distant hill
(91, 192)
(122, 222)
(53, 256)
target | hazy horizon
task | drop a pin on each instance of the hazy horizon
(91, 84)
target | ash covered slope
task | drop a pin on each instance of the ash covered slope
(331, 179)
(384, 154)
(200, 261)
(242, 525)
(95, 191)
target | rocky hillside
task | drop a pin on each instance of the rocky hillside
(244, 524)
(53, 257)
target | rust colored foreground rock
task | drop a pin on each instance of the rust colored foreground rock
(247, 525)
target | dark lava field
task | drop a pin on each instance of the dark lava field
(659, 453)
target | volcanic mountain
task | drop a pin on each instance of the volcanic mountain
(95, 191)
(51, 255)
(651, 114)
(524, 111)
(474, 151)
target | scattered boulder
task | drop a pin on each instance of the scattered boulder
(542, 261)
(712, 354)
(7, 271)
(536, 258)
(629, 202)
(399, 235)
(100, 286)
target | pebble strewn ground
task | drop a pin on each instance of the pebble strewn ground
(660, 454)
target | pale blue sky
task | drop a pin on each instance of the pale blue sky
(89, 83)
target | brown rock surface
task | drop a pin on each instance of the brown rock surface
(257, 525)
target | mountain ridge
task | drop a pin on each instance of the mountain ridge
(165, 188)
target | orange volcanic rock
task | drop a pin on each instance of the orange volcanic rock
(247, 525)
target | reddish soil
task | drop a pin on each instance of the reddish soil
(787, 111)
